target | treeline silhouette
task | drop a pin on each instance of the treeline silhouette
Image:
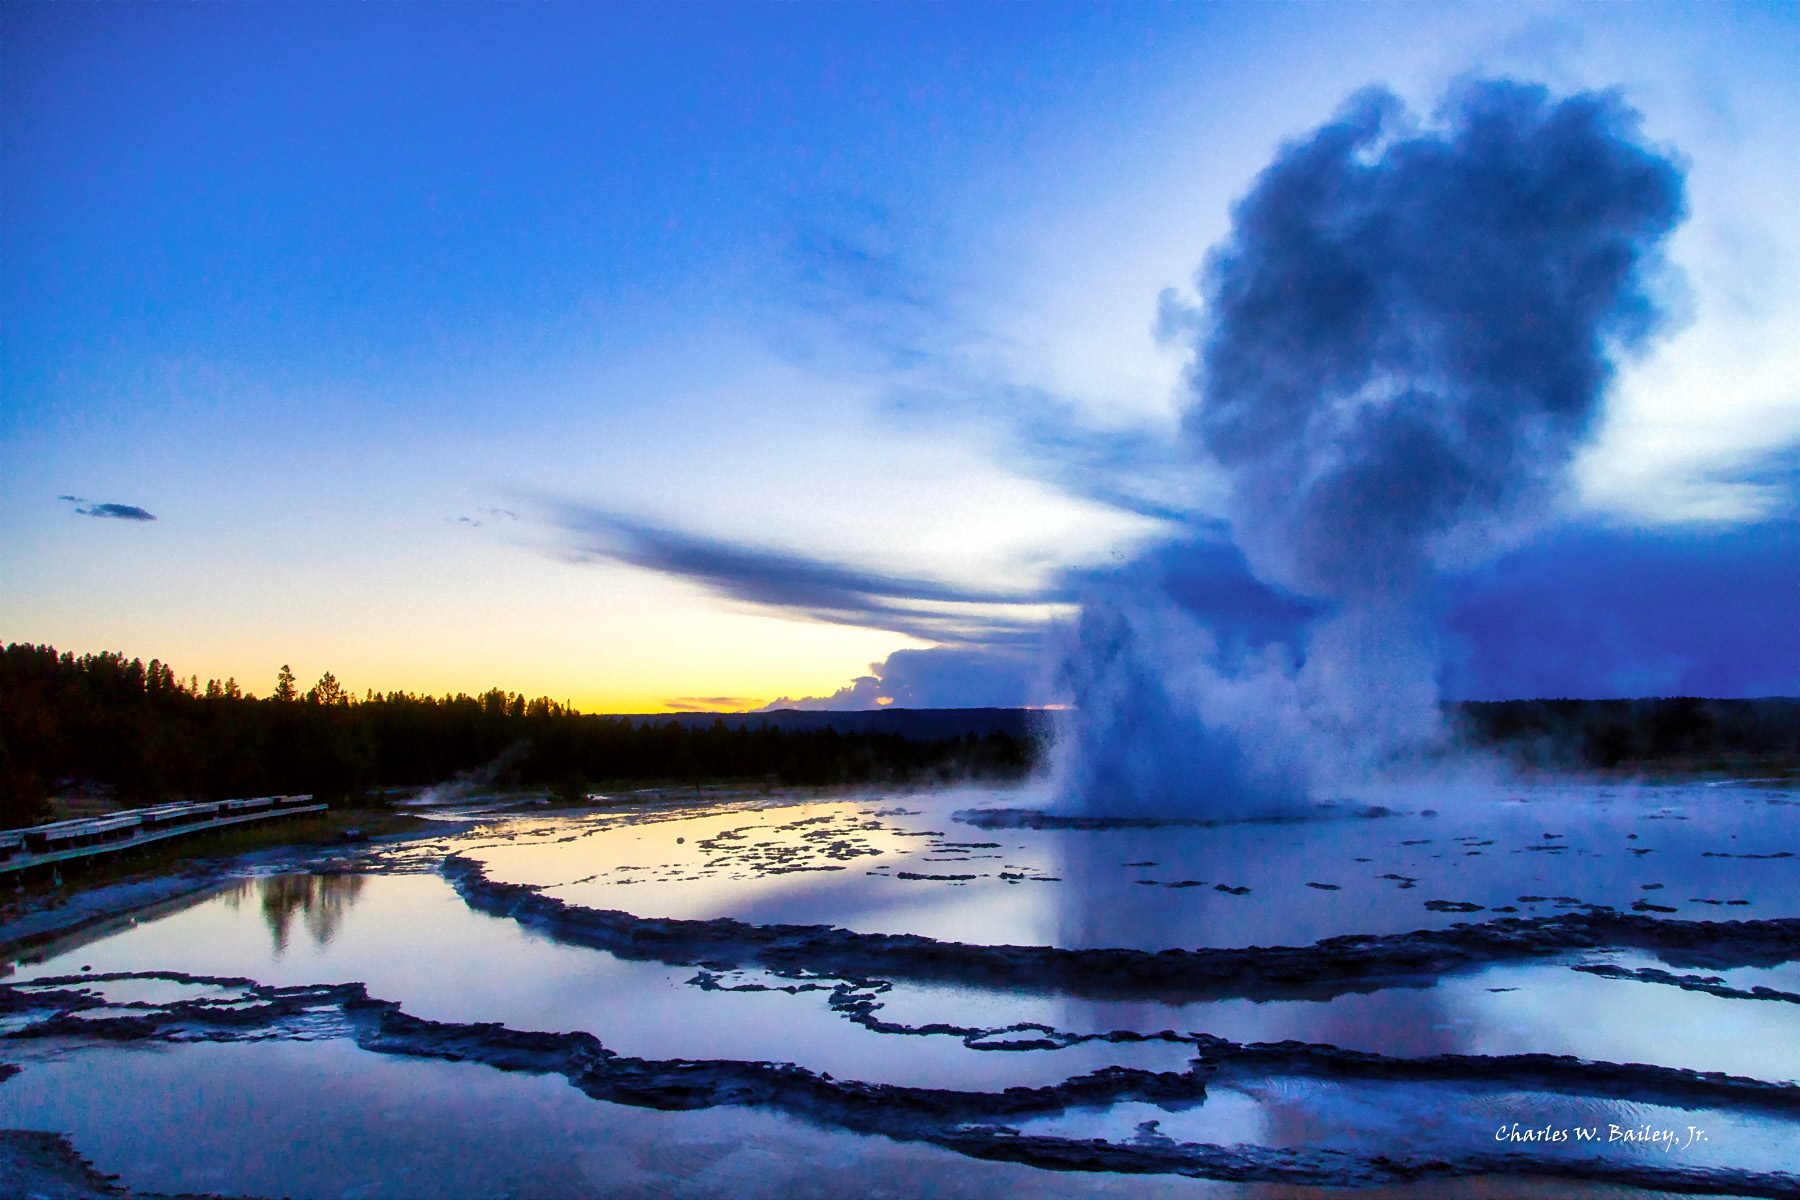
(1607, 734)
(142, 735)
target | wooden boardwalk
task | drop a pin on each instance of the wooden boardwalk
(64, 840)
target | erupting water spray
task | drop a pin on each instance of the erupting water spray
(1405, 338)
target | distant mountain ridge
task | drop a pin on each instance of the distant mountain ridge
(1563, 733)
(918, 724)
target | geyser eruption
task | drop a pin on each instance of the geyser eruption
(1404, 339)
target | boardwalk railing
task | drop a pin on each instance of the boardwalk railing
(21, 848)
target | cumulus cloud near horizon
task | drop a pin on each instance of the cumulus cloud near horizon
(937, 677)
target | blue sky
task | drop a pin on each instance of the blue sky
(686, 355)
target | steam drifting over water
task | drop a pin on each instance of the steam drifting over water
(1405, 338)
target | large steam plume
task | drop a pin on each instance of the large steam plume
(1407, 334)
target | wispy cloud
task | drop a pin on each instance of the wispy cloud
(860, 274)
(1772, 479)
(117, 512)
(1142, 468)
(488, 514)
(868, 280)
(712, 703)
(832, 592)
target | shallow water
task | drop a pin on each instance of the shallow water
(402, 931)
(913, 867)
(411, 939)
(353, 1124)
(1433, 1121)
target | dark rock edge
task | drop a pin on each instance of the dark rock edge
(1334, 966)
(969, 1123)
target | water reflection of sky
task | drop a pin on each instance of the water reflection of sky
(907, 865)
(1444, 1121)
(411, 939)
(325, 1121)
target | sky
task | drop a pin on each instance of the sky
(661, 357)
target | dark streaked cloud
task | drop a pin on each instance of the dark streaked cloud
(117, 512)
(985, 657)
(1775, 473)
(496, 514)
(1587, 612)
(1141, 469)
(1203, 574)
(825, 591)
(1139, 466)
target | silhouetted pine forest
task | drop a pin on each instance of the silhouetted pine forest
(146, 736)
(102, 721)
(1606, 734)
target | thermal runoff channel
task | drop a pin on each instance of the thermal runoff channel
(1405, 339)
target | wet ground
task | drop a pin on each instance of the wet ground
(1561, 990)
